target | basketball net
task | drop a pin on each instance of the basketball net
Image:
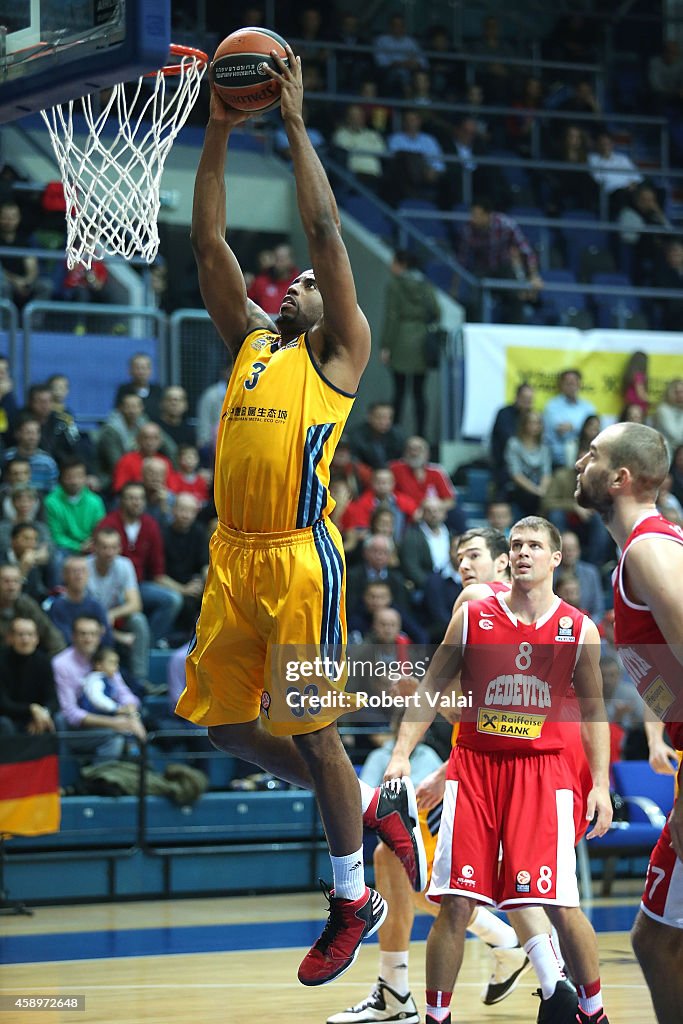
(113, 175)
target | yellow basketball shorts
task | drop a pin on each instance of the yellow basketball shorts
(271, 634)
(429, 827)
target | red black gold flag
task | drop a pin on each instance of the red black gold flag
(29, 785)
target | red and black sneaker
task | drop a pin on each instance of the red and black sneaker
(392, 814)
(350, 922)
(594, 1018)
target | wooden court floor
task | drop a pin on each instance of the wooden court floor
(111, 955)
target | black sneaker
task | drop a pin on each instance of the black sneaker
(561, 1008)
(350, 922)
(392, 815)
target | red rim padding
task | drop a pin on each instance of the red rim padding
(183, 51)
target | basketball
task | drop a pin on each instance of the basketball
(238, 69)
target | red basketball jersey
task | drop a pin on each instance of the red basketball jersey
(500, 587)
(645, 653)
(518, 675)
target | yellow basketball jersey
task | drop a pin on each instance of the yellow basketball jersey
(280, 424)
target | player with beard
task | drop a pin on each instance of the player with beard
(275, 586)
(619, 477)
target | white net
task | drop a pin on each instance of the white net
(112, 173)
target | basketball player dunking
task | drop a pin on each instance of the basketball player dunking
(518, 654)
(276, 577)
(619, 477)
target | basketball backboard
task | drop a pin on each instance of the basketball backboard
(56, 50)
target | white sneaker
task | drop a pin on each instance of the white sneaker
(508, 967)
(383, 1004)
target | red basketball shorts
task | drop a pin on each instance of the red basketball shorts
(522, 805)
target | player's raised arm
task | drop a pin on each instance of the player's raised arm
(595, 734)
(442, 672)
(345, 327)
(220, 277)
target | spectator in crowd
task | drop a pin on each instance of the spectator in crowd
(377, 554)
(353, 65)
(190, 479)
(72, 510)
(140, 369)
(186, 550)
(614, 172)
(635, 383)
(378, 440)
(568, 588)
(468, 141)
(173, 418)
(582, 100)
(380, 494)
(14, 473)
(590, 428)
(8, 403)
(19, 275)
(28, 699)
(119, 433)
(112, 582)
(418, 478)
(572, 189)
(109, 732)
(493, 245)
(22, 504)
(397, 55)
(76, 601)
(361, 146)
(44, 472)
(375, 595)
(159, 499)
(59, 435)
(643, 250)
(141, 542)
(499, 515)
(665, 76)
(410, 309)
(345, 467)
(14, 604)
(269, 288)
(668, 416)
(563, 417)
(529, 464)
(592, 596)
(86, 285)
(317, 139)
(209, 409)
(505, 426)
(35, 565)
(624, 704)
(150, 443)
(520, 128)
(99, 686)
(631, 413)
(378, 113)
(495, 76)
(425, 547)
(670, 275)
(441, 590)
(677, 473)
(417, 166)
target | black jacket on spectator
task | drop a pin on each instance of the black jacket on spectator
(376, 450)
(187, 554)
(440, 593)
(25, 679)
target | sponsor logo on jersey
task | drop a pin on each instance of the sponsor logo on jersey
(658, 697)
(466, 876)
(565, 631)
(565, 622)
(258, 343)
(523, 882)
(520, 689)
(485, 624)
(515, 724)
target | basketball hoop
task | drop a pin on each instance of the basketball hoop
(112, 178)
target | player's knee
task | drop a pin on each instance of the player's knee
(653, 943)
(457, 910)
(233, 739)
(318, 748)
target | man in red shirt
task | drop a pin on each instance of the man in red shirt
(129, 466)
(518, 654)
(380, 492)
(141, 541)
(269, 288)
(619, 477)
(418, 478)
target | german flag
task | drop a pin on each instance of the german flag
(29, 785)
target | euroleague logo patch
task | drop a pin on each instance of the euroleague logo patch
(523, 882)
(265, 703)
(261, 68)
(565, 630)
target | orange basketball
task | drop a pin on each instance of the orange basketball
(238, 69)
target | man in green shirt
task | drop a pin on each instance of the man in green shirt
(72, 511)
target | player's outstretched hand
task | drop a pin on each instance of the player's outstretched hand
(432, 788)
(220, 112)
(397, 767)
(291, 83)
(599, 804)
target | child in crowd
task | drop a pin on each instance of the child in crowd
(191, 479)
(98, 695)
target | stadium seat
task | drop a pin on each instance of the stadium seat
(412, 211)
(369, 215)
